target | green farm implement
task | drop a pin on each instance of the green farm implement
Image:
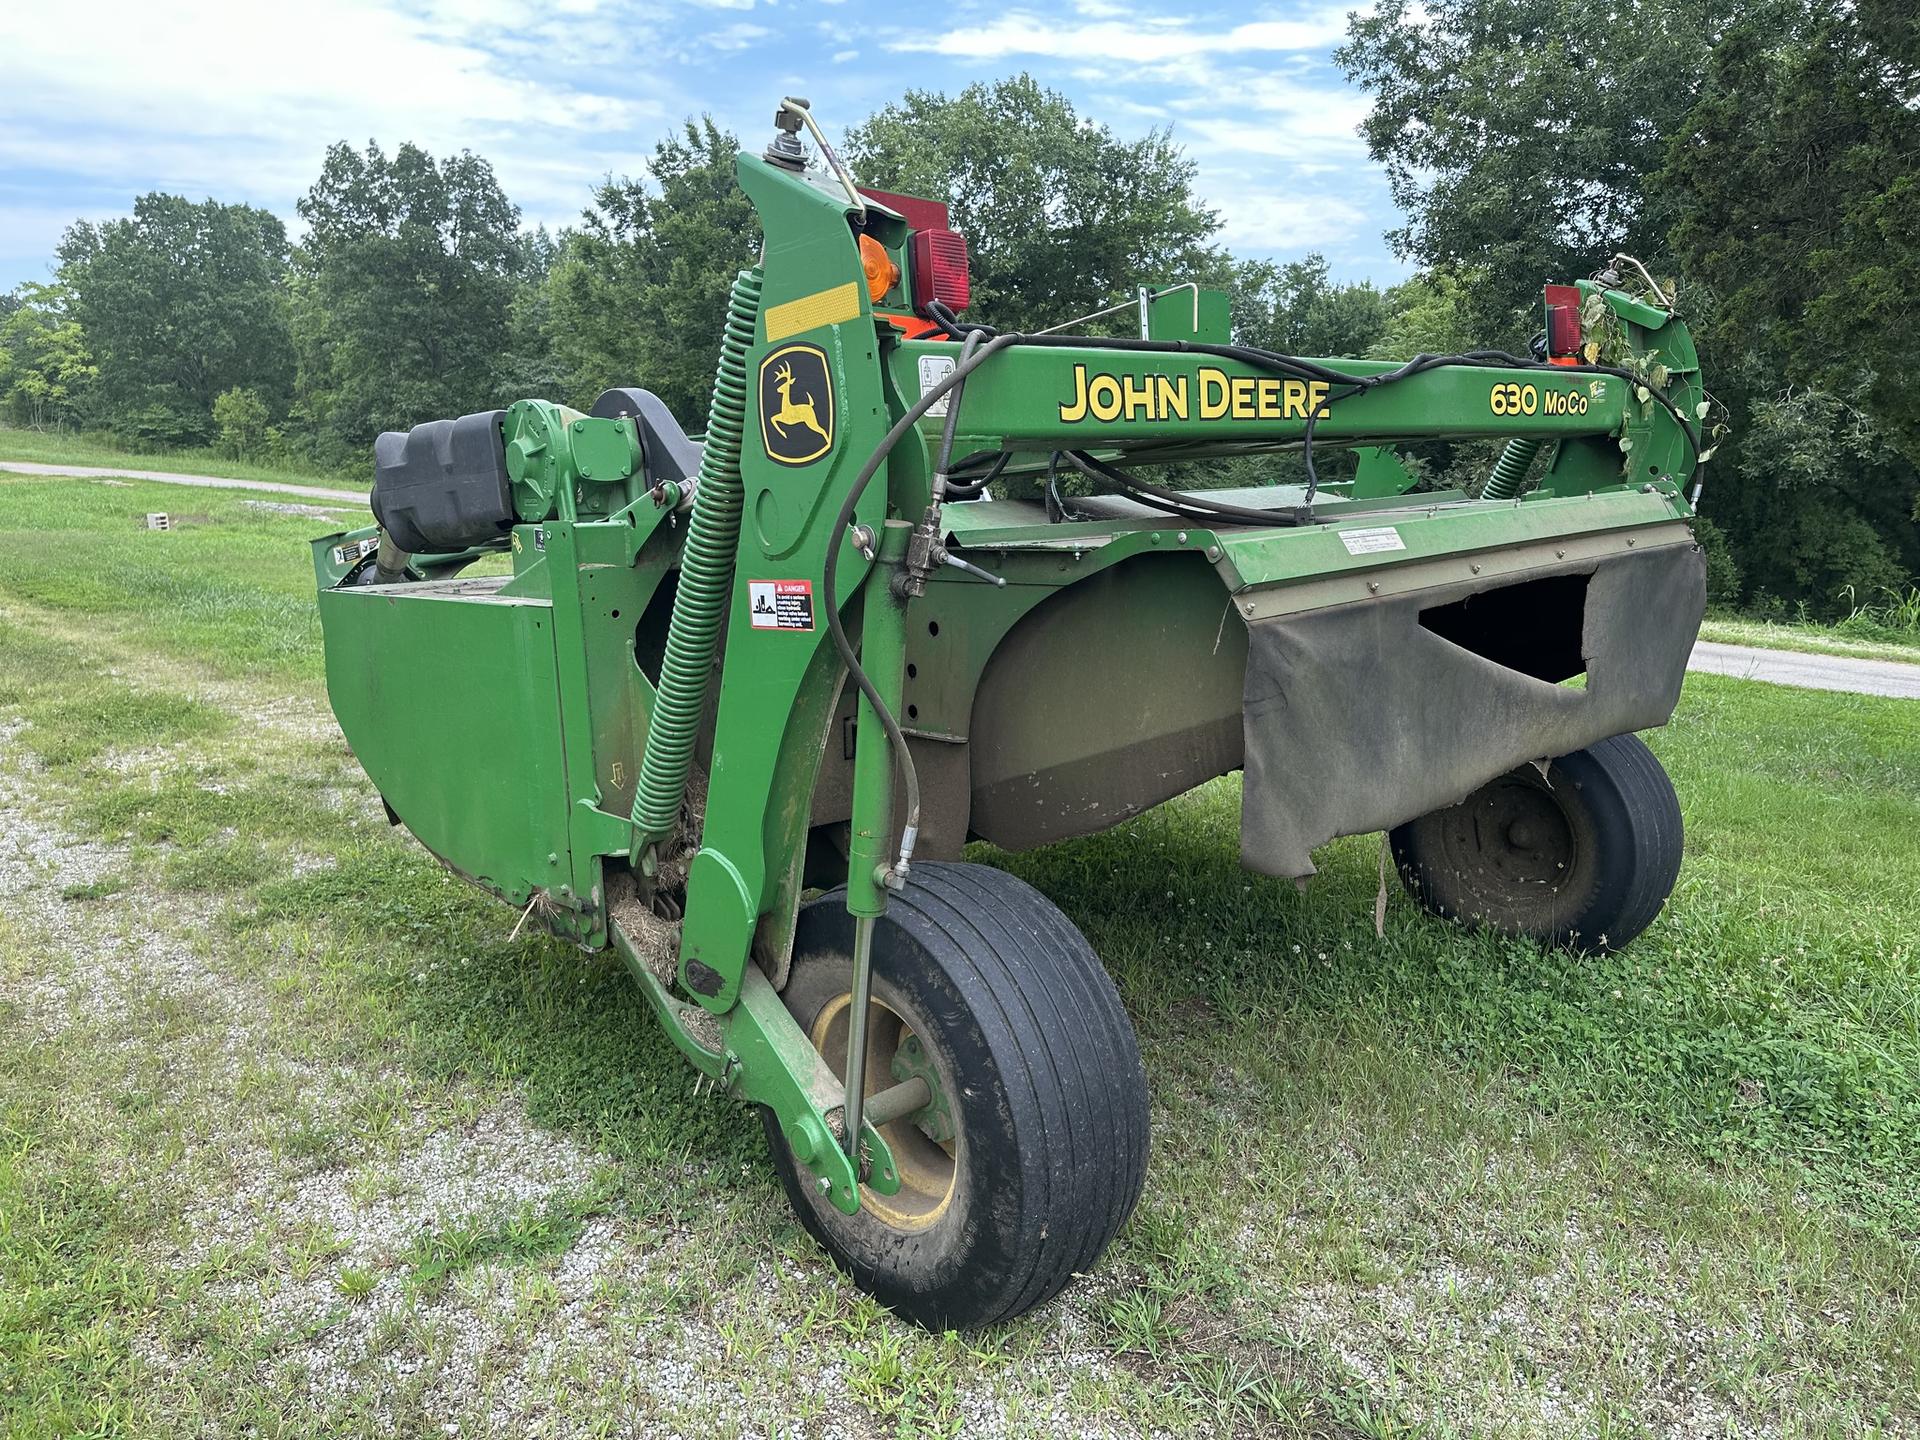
(741, 704)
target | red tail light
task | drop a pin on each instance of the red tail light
(919, 214)
(1563, 322)
(939, 269)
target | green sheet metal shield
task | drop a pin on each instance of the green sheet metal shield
(796, 404)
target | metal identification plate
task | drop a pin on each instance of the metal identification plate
(1372, 542)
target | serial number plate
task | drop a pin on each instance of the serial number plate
(1372, 542)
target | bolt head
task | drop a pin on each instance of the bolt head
(823, 1185)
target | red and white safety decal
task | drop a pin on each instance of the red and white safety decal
(780, 604)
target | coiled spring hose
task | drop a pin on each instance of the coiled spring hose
(706, 584)
(1510, 469)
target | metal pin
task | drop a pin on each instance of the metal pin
(856, 1081)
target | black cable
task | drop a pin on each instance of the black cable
(991, 343)
(1189, 505)
(1294, 367)
(974, 489)
(896, 738)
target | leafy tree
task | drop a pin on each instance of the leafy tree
(46, 370)
(1818, 498)
(1796, 187)
(242, 418)
(406, 281)
(638, 294)
(531, 366)
(1061, 215)
(1298, 309)
(1429, 314)
(1766, 156)
(180, 302)
(1517, 134)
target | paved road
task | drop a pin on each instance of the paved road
(1811, 672)
(205, 482)
(1779, 667)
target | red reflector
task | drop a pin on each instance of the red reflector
(939, 269)
(1563, 320)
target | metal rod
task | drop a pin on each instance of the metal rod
(856, 1079)
(899, 1100)
(1126, 305)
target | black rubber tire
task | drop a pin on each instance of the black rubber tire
(1615, 865)
(1051, 1149)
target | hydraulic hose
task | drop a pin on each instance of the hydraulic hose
(829, 588)
(1510, 470)
(1340, 385)
(706, 584)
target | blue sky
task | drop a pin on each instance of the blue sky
(238, 99)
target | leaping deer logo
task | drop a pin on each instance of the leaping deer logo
(792, 413)
(796, 404)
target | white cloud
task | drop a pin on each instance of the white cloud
(1265, 219)
(1143, 40)
(737, 36)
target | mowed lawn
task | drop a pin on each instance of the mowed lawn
(295, 1139)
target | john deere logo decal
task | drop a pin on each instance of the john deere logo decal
(796, 404)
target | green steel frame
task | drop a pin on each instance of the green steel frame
(503, 718)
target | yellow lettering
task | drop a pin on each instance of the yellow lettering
(1171, 392)
(1137, 396)
(1103, 397)
(1295, 406)
(1243, 397)
(1213, 393)
(1316, 396)
(1269, 399)
(1075, 410)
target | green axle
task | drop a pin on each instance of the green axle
(560, 735)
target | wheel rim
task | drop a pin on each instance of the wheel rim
(1513, 850)
(929, 1169)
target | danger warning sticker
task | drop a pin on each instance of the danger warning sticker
(780, 604)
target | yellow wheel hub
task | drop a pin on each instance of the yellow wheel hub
(927, 1168)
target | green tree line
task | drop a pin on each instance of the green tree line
(1769, 160)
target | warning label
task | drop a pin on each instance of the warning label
(780, 604)
(351, 553)
(934, 369)
(1370, 542)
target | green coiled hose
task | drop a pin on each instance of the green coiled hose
(706, 583)
(1510, 469)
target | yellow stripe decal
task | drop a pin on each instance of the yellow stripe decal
(824, 307)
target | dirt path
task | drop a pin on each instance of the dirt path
(1810, 672)
(164, 477)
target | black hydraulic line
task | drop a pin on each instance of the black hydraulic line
(896, 738)
(973, 489)
(1294, 367)
(1190, 505)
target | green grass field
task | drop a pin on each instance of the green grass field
(296, 1140)
(108, 452)
(1863, 641)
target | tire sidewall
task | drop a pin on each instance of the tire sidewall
(935, 1276)
(1620, 805)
